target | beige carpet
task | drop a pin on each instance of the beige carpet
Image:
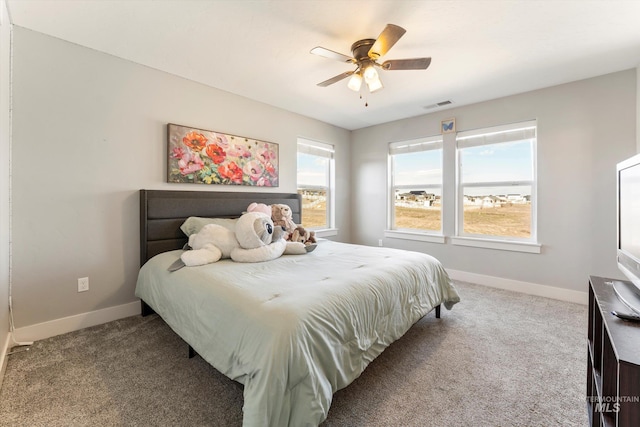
(497, 359)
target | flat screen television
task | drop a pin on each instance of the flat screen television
(629, 229)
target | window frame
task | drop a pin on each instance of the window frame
(529, 131)
(324, 150)
(435, 142)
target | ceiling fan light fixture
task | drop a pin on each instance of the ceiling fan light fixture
(370, 74)
(365, 54)
(374, 84)
(355, 82)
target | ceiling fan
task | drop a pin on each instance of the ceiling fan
(366, 53)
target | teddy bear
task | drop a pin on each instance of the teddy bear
(255, 239)
(307, 238)
(300, 234)
(282, 216)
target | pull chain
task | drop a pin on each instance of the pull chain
(366, 102)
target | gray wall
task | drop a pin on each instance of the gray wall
(89, 132)
(584, 129)
(4, 176)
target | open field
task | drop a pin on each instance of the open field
(315, 216)
(312, 218)
(417, 218)
(510, 221)
(314, 209)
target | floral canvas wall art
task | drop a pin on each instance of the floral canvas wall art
(207, 157)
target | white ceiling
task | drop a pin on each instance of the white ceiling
(259, 49)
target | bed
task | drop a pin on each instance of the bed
(292, 330)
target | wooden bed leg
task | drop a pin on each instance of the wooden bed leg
(192, 352)
(438, 311)
(146, 310)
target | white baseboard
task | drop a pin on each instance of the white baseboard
(73, 323)
(522, 287)
(3, 357)
(52, 328)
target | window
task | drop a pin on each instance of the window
(415, 171)
(497, 183)
(316, 183)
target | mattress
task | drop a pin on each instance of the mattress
(296, 329)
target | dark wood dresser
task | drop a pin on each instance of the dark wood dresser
(613, 366)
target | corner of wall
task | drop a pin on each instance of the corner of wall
(638, 109)
(5, 152)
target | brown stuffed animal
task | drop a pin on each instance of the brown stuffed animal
(281, 215)
(303, 236)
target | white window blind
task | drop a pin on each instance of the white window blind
(414, 146)
(316, 149)
(508, 133)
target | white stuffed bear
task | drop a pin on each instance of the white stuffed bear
(255, 240)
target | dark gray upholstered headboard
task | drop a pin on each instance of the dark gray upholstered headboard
(163, 212)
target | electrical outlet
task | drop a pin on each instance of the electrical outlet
(380, 242)
(83, 284)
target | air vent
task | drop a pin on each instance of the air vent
(438, 104)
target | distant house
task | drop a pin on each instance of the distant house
(417, 198)
(516, 198)
(484, 201)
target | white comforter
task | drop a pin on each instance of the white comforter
(296, 329)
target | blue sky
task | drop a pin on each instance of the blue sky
(509, 161)
(489, 163)
(312, 170)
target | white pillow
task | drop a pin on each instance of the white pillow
(194, 224)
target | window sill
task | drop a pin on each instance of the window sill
(326, 232)
(504, 245)
(414, 235)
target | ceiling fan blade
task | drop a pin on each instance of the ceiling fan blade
(336, 79)
(385, 41)
(321, 51)
(406, 64)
